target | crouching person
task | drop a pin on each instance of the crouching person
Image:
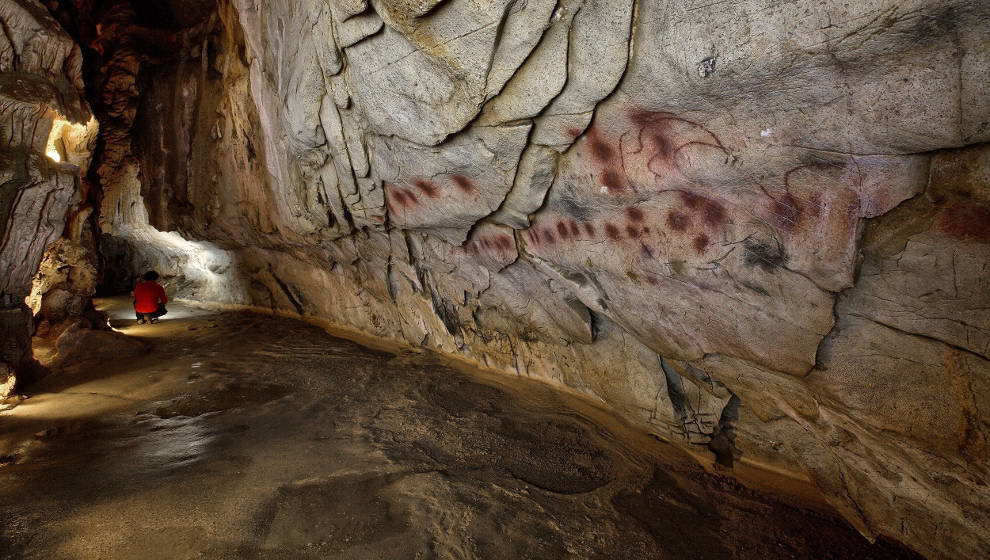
(149, 299)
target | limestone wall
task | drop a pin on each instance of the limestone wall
(40, 85)
(759, 229)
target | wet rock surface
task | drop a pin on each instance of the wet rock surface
(249, 436)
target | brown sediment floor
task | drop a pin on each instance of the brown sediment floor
(248, 436)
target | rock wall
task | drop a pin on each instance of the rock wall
(40, 86)
(758, 229)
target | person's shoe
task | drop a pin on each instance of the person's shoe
(142, 321)
(153, 321)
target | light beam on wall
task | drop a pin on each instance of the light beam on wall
(55, 148)
(68, 139)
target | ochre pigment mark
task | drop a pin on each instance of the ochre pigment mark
(611, 180)
(609, 160)
(656, 130)
(562, 230)
(690, 199)
(785, 212)
(405, 198)
(632, 231)
(501, 244)
(634, 214)
(612, 232)
(812, 205)
(712, 212)
(463, 184)
(658, 125)
(700, 243)
(967, 221)
(678, 221)
(600, 149)
(573, 132)
(427, 187)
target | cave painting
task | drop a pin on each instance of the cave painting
(695, 200)
(647, 159)
(420, 192)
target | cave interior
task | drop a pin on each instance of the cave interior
(501, 279)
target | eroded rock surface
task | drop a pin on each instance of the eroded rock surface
(758, 230)
(40, 86)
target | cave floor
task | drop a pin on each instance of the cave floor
(247, 436)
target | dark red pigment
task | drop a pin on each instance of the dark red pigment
(612, 232)
(405, 198)
(429, 188)
(612, 180)
(600, 149)
(700, 243)
(712, 213)
(967, 221)
(678, 221)
(463, 184)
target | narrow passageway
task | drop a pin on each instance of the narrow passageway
(239, 435)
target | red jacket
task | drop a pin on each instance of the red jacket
(147, 296)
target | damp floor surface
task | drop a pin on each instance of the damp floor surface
(247, 436)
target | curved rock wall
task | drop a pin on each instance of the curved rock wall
(759, 229)
(40, 84)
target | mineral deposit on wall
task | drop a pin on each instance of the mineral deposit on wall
(44, 141)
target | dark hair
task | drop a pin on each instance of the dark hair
(151, 275)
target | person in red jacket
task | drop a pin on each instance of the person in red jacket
(149, 299)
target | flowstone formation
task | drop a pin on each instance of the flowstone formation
(761, 230)
(46, 137)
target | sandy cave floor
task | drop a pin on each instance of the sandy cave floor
(246, 436)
